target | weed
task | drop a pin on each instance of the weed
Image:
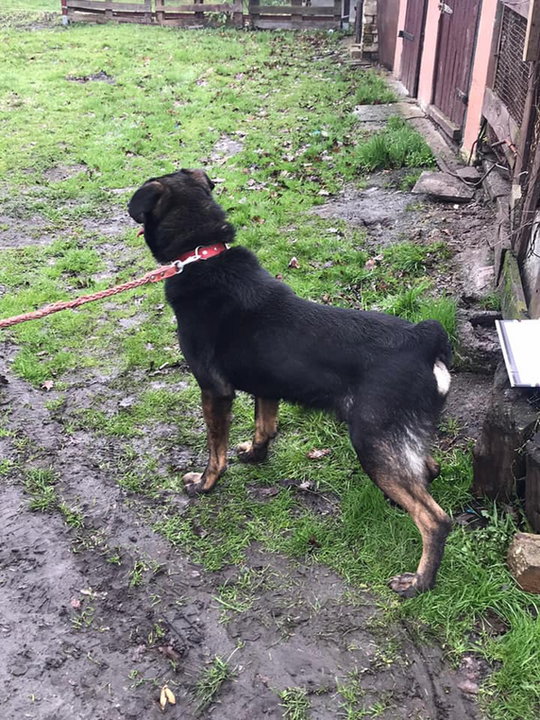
(114, 557)
(397, 145)
(40, 485)
(295, 703)
(371, 89)
(156, 634)
(210, 682)
(238, 595)
(72, 518)
(409, 180)
(6, 466)
(352, 694)
(84, 619)
(137, 573)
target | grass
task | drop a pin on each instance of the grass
(295, 704)
(172, 95)
(40, 485)
(210, 683)
(398, 145)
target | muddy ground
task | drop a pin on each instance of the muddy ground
(82, 640)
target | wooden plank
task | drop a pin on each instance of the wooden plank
(290, 10)
(449, 128)
(103, 6)
(498, 117)
(198, 8)
(531, 50)
(276, 23)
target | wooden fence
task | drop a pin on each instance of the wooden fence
(299, 14)
(295, 16)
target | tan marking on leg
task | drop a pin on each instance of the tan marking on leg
(433, 524)
(266, 412)
(217, 415)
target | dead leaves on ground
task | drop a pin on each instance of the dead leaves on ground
(166, 697)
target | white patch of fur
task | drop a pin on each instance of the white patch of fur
(413, 453)
(442, 377)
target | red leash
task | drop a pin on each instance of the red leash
(200, 253)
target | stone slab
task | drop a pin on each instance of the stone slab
(443, 186)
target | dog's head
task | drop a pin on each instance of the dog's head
(179, 213)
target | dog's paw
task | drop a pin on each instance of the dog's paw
(249, 453)
(193, 484)
(406, 585)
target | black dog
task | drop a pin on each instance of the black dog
(241, 329)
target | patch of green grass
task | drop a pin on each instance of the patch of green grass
(295, 703)
(238, 595)
(352, 694)
(40, 485)
(397, 145)
(6, 466)
(136, 575)
(409, 180)
(372, 89)
(73, 518)
(211, 682)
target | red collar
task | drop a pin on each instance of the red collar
(203, 252)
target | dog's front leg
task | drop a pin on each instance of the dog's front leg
(217, 416)
(266, 412)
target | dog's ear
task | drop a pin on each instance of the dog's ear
(145, 200)
(202, 178)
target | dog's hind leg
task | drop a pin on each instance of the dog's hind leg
(266, 412)
(217, 416)
(401, 471)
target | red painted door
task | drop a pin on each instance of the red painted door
(412, 36)
(457, 38)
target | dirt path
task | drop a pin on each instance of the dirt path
(82, 639)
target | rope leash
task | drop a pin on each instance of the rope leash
(152, 276)
(202, 252)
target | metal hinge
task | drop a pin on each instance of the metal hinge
(405, 35)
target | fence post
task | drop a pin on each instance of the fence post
(337, 12)
(160, 11)
(148, 11)
(296, 13)
(109, 10)
(238, 14)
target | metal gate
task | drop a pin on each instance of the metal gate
(413, 41)
(387, 19)
(455, 48)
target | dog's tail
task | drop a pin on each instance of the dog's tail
(434, 342)
(434, 345)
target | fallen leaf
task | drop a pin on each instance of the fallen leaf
(47, 385)
(317, 453)
(293, 263)
(170, 695)
(75, 603)
(162, 699)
